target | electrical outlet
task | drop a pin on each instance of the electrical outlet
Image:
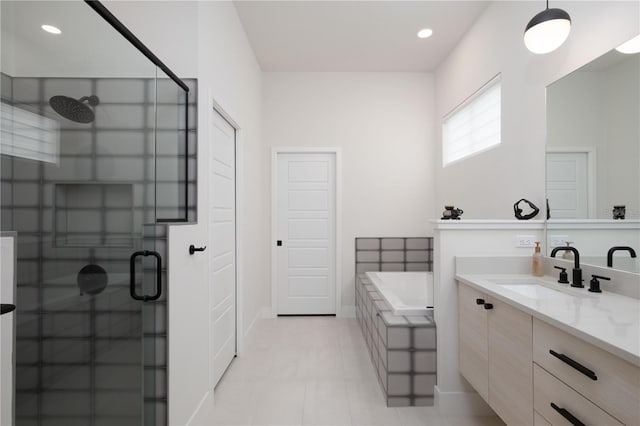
(525, 241)
(558, 240)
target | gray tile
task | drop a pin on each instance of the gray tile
(121, 90)
(399, 384)
(119, 377)
(66, 378)
(26, 90)
(417, 256)
(65, 403)
(117, 403)
(74, 324)
(366, 267)
(423, 384)
(398, 338)
(367, 256)
(367, 243)
(392, 256)
(419, 320)
(381, 305)
(393, 320)
(26, 377)
(393, 243)
(399, 361)
(424, 338)
(419, 267)
(424, 361)
(393, 267)
(419, 243)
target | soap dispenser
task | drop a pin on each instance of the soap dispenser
(568, 254)
(538, 270)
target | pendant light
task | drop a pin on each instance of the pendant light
(547, 30)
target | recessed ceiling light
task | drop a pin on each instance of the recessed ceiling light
(632, 46)
(51, 29)
(425, 33)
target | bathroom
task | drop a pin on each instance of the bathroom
(374, 104)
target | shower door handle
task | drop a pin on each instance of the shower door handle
(132, 275)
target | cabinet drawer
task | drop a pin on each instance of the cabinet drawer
(548, 390)
(616, 388)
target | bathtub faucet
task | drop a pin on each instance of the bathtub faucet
(612, 250)
(577, 272)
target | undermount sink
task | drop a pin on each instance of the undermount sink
(533, 291)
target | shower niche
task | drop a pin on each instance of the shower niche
(93, 215)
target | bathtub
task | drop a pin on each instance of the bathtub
(408, 293)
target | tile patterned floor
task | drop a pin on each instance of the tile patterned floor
(312, 371)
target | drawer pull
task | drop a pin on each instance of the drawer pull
(479, 301)
(581, 368)
(567, 415)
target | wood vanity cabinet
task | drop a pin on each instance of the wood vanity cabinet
(495, 342)
(531, 372)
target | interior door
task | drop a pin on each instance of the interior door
(567, 185)
(7, 297)
(306, 192)
(222, 227)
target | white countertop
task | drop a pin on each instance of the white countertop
(607, 320)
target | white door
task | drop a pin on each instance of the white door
(222, 254)
(306, 218)
(567, 185)
(6, 330)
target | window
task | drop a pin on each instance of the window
(474, 126)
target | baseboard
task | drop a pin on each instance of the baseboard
(249, 329)
(347, 311)
(461, 404)
(204, 411)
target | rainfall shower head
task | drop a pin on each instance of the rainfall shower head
(75, 109)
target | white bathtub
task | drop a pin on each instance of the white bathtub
(408, 293)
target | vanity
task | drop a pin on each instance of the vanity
(543, 353)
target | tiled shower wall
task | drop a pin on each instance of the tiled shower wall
(74, 350)
(394, 254)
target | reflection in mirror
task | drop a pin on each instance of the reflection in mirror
(593, 159)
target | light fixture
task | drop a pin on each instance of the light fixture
(51, 29)
(631, 46)
(547, 30)
(425, 33)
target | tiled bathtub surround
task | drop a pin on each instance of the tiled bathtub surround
(402, 348)
(394, 254)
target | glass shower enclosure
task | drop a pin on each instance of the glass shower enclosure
(96, 154)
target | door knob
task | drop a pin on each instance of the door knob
(5, 308)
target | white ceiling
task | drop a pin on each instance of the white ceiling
(354, 35)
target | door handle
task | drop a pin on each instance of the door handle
(132, 275)
(5, 308)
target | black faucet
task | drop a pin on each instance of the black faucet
(577, 272)
(612, 250)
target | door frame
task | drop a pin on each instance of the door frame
(215, 108)
(591, 171)
(275, 151)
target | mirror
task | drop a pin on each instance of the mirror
(593, 160)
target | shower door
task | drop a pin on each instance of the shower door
(88, 175)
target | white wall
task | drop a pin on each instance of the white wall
(494, 45)
(454, 396)
(383, 124)
(206, 40)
